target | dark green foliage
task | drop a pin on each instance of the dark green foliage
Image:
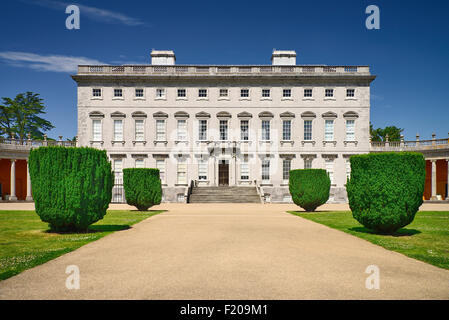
(142, 187)
(309, 188)
(72, 187)
(386, 189)
(394, 133)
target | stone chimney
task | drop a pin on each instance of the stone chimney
(283, 58)
(162, 57)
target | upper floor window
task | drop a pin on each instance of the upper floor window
(139, 127)
(118, 93)
(139, 93)
(244, 93)
(329, 93)
(350, 93)
(182, 130)
(96, 130)
(224, 93)
(202, 132)
(202, 93)
(287, 93)
(160, 130)
(118, 130)
(266, 130)
(286, 130)
(160, 93)
(181, 93)
(307, 93)
(96, 92)
(223, 129)
(350, 130)
(307, 130)
(244, 130)
(266, 93)
(329, 130)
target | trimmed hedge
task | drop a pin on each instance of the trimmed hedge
(72, 187)
(143, 187)
(309, 188)
(385, 190)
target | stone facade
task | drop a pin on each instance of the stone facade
(150, 116)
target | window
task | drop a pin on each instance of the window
(350, 93)
(138, 127)
(96, 130)
(139, 93)
(160, 130)
(223, 129)
(118, 93)
(96, 92)
(181, 93)
(330, 169)
(266, 93)
(202, 130)
(286, 167)
(202, 169)
(224, 93)
(180, 197)
(287, 93)
(244, 169)
(244, 93)
(350, 130)
(160, 93)
(286, 130)
(329, 130)
(308, 163)
(307, 130)
(160, 164)
(307, 93)
(329, 93)
(139, 163)
(118, 170)
(348, 169)
(118, 130)
(244, 134)
(266, 130)
(182, 171)
(266, 170)
(182, 130)
(202, 93)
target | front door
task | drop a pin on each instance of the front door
(223, 174)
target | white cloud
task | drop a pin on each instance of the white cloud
(96, 14)
(55, 63)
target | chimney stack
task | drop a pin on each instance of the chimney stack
(163, 57)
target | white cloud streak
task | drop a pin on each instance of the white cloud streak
(53, 63)
(95, 14)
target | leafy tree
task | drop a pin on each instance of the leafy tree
(379, 134)
(142, 187)
(20, 116)
(309, 188)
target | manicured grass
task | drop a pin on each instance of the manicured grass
(425, 239)
(25, 241)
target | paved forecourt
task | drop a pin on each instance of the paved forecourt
(229, 251)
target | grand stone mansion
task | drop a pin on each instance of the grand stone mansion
(226, 125)
(226, 133)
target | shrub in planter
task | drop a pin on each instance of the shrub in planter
(142, 187)
(385, 189)
(309, 188)
(71, 187)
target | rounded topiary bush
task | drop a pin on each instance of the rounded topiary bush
(143, 187)
(71, 187)
(309, 188)
(385, 190)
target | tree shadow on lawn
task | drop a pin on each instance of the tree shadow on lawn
(400, 233)
(93, 229)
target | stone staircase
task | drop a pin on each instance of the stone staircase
(224, 195)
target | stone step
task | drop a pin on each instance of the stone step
(224, 195)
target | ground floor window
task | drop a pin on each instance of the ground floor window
(286, 167)
(266, 170)
(202, 169)
(244, 170)
(160, 164)
(182, 172)
(139, 163)
(307, 163)
(330, 169)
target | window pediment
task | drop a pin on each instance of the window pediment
(181, 114)
(139, 114)
(96, 114)
(287, 115)
(202, 114)
(223, 114)
(329, 115)
(351, 115)
(308, 115)
(244, 114)
(160, 114)
(266, 114)
(118, 114)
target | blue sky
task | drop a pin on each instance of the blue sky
(409, 54)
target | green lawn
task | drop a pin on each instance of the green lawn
(25, 241)
(425, 239)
